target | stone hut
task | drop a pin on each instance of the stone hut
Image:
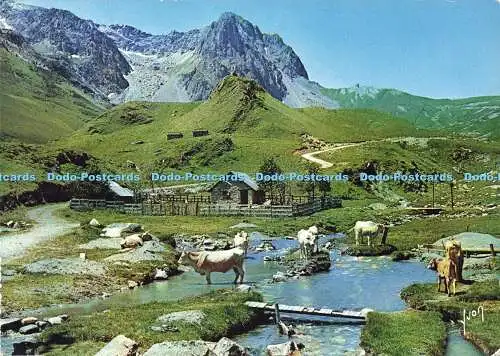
(239, 188)
(117, 192)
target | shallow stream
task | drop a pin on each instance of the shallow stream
(352, 283)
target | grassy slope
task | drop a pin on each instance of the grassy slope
(37, 106)
(435, 156)
(240, 116)
(404, 333)
(459, 115)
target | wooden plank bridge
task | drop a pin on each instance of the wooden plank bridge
(282, 308)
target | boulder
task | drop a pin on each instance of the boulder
(245, 288)
(160, 274)
(10, 223)
(29, 320)
(132, 284)
(266, 246)
(10, 324)
(184, 348)
(42, 324)
(283, 349)
(119, 229)
(29, 329)
(119, 346)
(64, 317)
(377, 206)
(66, 266)
(94, 222)
(472, 241)
(26, 347)
(111, 243)
(227, 347)
(147, 252)
(279, 277)
(56, 320)
(165, 328)
(189, 316)
(208, 245)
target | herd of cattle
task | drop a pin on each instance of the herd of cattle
(206, 262)
(449, 269)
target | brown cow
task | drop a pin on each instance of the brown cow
(447, 271)
(453, 249)
(217, 261)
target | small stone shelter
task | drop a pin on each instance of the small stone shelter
(242, 191)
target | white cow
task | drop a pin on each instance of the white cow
(241, 240)
(308, 241)
(367, 228)
(217, 261)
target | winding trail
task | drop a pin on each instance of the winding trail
(48, 226)
(324, 164)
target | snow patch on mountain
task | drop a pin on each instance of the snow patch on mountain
(4, 24)
(156, 77)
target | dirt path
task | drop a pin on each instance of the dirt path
(48, 226)
(324, 164)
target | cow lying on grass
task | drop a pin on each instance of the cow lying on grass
(217, 261)
(447, 271)
(136, 240)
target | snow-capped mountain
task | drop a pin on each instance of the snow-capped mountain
(74, 47)
(186, 66)
(124, 63)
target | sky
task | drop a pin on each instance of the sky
(433, 48)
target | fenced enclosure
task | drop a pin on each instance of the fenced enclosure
(193, 205)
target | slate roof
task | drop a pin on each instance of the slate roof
(246, 180)
(119, 190)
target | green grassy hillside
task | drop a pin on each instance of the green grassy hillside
(245, 124)
(36, 105)
(476, 116)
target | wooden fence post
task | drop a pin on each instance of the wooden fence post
(384, 236)
(493, 253)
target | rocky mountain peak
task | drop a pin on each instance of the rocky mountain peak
(229, 36)
(75, 47)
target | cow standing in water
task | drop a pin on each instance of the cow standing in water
(308, 242)
(367, 228)
(241, 240)
(218, 261)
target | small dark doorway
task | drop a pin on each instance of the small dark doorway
(243, 196)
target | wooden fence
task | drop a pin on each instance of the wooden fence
(91, 204)
(203, 207)
(272, 211)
